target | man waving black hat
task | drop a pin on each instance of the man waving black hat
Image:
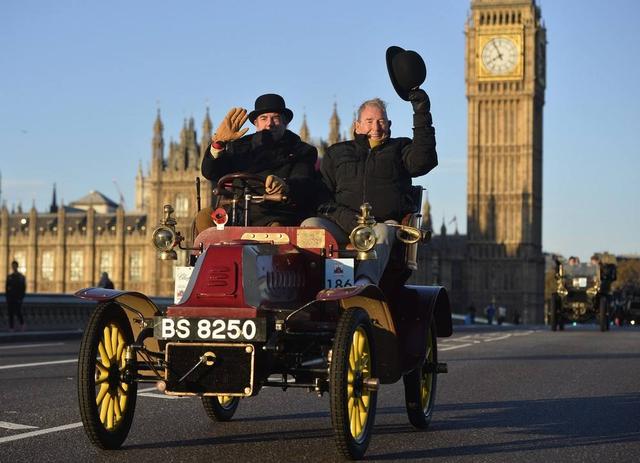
(376, 168)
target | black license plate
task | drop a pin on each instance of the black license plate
(201, 368)
(210, 329)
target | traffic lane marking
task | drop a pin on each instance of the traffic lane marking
(7, 425)
(25, 346)
(468, 337)
(64, 427)
(39, 432)
(37, 364)
(472, 339)
(458, 346)
(499, 338)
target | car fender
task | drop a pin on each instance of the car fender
(371, 299)
(434, 301)
(136, 305)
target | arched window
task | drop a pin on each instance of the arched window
(135, 265)
(77, 265)
(182, 205)
(46, 269)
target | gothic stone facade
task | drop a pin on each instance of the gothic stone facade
(500, 259)
(68, 248)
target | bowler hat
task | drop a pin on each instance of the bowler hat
(270, 103)
(406, 70)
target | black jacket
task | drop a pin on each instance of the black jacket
(15, 287)
(289, 158)
(354, 173)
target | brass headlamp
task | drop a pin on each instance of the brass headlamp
(363, 237)
(164, 237)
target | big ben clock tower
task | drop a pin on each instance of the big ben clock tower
(505, 78)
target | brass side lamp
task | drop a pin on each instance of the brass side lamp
(363, 237)
(164, 237)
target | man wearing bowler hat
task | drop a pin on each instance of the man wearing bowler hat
(375, 168)
(279, 155)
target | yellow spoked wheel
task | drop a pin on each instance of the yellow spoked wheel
(420, 385)
(106, 395)
(220, 408)
(353, 404)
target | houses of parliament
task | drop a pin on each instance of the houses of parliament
(499, 259)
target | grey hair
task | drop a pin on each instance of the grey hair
(377, 102)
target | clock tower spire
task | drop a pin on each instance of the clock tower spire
(505, 67)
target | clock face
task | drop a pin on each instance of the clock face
(500, 56)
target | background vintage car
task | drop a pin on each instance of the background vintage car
(582, 294)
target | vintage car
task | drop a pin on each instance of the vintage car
(582, 294)
(627, 309)
(632, 310)
(267, 307)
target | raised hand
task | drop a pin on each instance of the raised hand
(231, 126)
(419, 100)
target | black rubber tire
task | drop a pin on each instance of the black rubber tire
(354, 323)
(106, 319)
(553, 312)
(420, 385)
(602, 314)
(218, 411)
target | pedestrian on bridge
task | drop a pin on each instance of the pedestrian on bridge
(105, 281)
(15, 289)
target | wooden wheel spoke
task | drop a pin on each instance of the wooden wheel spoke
(102, 374)
(352, 358)
(225, 400)
(358, 420)
(362, 341)
(104, 408)
(104, 357)
(114, 340)
(353, 423)
(106, 341)
(120, 347)
(104, 388)
(351, 408)
(116, 409)
(110, 413)
(363, 414)
(123, 401)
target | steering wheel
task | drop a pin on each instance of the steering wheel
(235, 183)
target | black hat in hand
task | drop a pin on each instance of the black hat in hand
(406, 70)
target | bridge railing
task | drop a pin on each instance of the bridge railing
(54, 312)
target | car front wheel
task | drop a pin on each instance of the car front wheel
(353, 402)
(106, 390)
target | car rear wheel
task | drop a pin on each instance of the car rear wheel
(420, 385)
(220, 408)
(106, 390)
(353, 402)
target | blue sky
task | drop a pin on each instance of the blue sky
(80, 82)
